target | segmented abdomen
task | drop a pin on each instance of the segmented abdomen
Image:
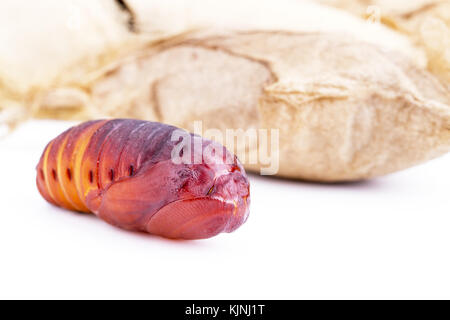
(122, 171)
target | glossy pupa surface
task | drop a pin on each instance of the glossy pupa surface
(123, 171)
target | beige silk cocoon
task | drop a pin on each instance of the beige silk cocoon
(351, 99)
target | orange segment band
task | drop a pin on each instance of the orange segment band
(80, 148)
(46, 175)
(62, 175)
(53, 177)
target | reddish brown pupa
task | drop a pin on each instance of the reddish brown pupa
(123, 171)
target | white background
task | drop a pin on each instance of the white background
(385, 238)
